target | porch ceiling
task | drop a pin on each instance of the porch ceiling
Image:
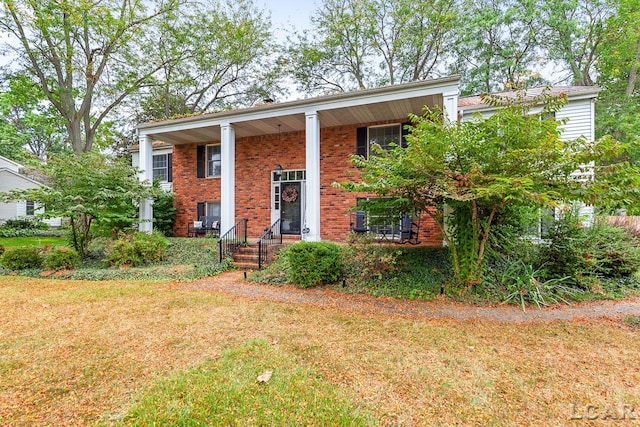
(375, 112)
(389, 103)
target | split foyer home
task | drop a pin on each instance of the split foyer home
(276, 162)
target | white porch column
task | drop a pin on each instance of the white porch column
(227, 177)
(145, 164)
(311, 230)
(450, 105)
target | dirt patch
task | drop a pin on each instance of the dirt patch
(232, 283)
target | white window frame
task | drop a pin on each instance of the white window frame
(165, 168)
(388, 125)
(209, 160)
(33, 208)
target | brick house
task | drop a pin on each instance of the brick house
(279, 160)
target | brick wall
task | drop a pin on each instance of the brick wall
(256, 157)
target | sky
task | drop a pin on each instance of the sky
(287, 15)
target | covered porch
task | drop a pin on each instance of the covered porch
(276, 154)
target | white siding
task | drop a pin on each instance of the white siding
(8, 211)
(580, 119)
(135, 161)
(12, 181)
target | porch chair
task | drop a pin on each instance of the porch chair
(409, 229)
(358, 222)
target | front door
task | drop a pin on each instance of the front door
(291, 207)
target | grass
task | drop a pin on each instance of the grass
(135, 352)
(225, 391)
(39, 241)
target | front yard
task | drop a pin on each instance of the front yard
(138, 353)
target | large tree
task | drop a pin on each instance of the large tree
(573, 32)
(463, 174)
(618, 64)
(214, 55)
(357, 44)
(497, 45)
(86, 56)
(29, 125)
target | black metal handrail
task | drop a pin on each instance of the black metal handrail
(269, 238)
(231, 241)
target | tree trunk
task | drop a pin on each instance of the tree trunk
(633, 73)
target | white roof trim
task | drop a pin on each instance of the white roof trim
(26, 178)
(307, 106)
(576, 96)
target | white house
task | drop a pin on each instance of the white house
(578, 114)
(12, 177)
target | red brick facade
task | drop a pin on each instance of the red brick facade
(256, 157)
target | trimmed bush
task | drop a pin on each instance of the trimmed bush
(21, 258)
(137, 249)
(314, 263)
(62, 259)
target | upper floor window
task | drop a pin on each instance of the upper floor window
(385, 135)
(214, 162)
(162, 167)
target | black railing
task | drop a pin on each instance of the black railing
(231, 241)
(271, 237)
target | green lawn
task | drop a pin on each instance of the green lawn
(16, 242)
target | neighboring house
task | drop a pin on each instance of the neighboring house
(579, 113)
(279, 160)
(12, 177)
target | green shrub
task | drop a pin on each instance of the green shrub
(164, 213)
(137, 249)
(62, 259)
(2, 249)
(313, 263)
(21, 258)
(122, 252)
(29, 232)
(25, 224)
(585, 254)
(151, 247)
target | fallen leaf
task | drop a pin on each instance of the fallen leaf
(264, 377)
